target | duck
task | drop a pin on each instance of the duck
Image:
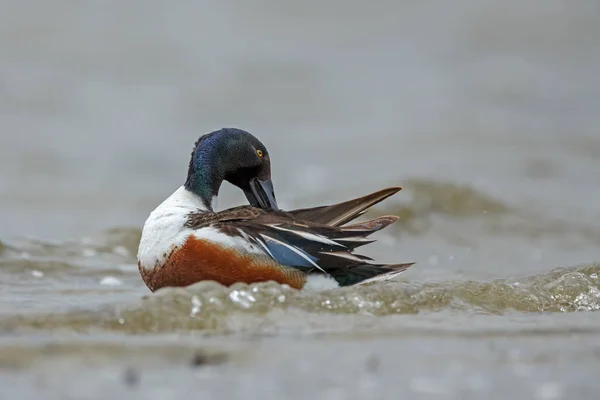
(185, 240)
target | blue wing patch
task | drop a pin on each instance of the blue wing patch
(287, 254)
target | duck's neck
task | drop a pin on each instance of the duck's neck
(203, 179)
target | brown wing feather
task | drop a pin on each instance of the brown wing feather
(341, 213)
(202, 219)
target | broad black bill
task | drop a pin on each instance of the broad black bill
(261, 194)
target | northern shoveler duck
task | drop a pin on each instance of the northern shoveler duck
(184, 240)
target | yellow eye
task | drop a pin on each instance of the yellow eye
(259, 152)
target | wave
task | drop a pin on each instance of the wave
(212, 308)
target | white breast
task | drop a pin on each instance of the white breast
(165, 230)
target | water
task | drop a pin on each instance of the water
(486, 113)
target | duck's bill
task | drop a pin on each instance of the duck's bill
(262, 194)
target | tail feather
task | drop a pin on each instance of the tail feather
(368, 273)
(386, 276)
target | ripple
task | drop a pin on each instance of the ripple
(211, 307)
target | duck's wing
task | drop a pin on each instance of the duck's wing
(341, 213)
(202, 219)
(308, 246)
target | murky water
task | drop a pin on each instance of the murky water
(488, 114)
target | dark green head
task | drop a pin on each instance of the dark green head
(235, 156)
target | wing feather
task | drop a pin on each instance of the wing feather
(312, 240)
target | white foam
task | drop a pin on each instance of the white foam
(319, 282)
(37, 274)
(110, 281)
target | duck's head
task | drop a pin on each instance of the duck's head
(235, 156)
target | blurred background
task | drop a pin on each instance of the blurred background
(487, 112)
(101, 102)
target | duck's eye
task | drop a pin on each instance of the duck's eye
(259, 152)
